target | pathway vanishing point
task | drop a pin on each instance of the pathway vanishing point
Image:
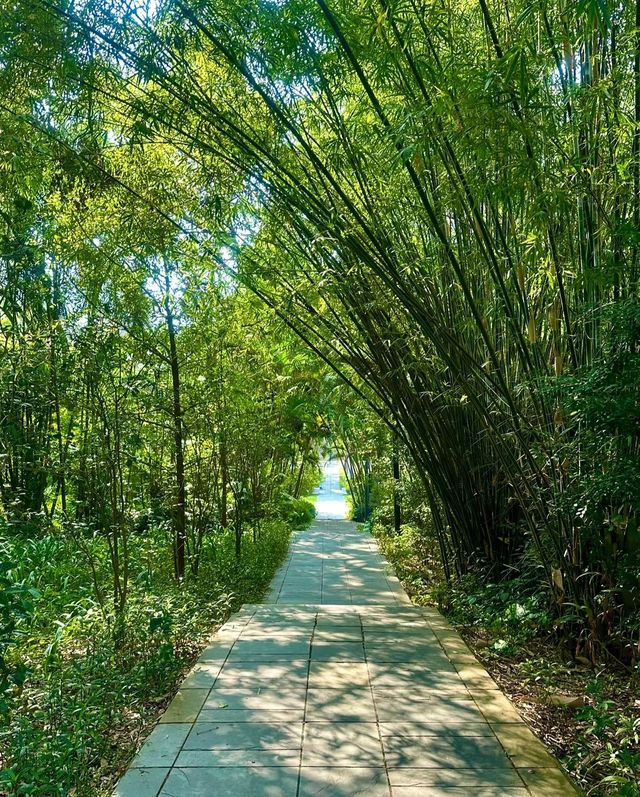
(338, 686)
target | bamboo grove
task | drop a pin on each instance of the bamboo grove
(441, 199)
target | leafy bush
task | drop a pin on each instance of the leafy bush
(16, 604)
(608, 743)
(297, 512)
(411, 553)
(512, 611)
(87, 700)
(598, 415)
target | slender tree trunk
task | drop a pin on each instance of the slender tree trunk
(224, 478)
(180, 520)
(303, 462)
(53, 317)
(367, 508)
(238, 529)
(397, 515)
(636, 149)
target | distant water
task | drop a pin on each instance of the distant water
(331, 503)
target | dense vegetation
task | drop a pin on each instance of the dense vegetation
(211, 211)
(585, 712)
(153, 467)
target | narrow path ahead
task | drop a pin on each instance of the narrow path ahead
(333, 563)
(338, 686)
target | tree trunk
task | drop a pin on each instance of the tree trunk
(303, 462)
(397, 518)
(636, 149)
(53, 316)
(180, 520)
(238, 530)
(224, 478)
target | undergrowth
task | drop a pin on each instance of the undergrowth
(511, 626)
(87, 699)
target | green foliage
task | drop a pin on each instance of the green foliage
(441, 201)
(434, 217)
(16, 605)
(512, 611)
(609, 743)
(412, 555)
(597, 444)
(297, 512)
(87, 699)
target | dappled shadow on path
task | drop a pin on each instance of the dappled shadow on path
(338, 686)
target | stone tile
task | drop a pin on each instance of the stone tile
(283, 615)
(247, 741)
(411, 674)
(340, 705)
(272, 697)
(233, 626)
(279, 614)
(334, 744)
(456, 783)
(523, 746)
(445, 751)
(338, 674)
(269, 650)
(347, 634)
(393, 634)
(244, 736)
(251, 715)
(398, 653)
(476, 678)
(548, 782)
(495, 707)
(436, 689)
(275, 623)
(439, 623)
(448, 791)
(343, 782)
(292, 601)
(379, 623)
(185, 706)
(431, 613)
(277, 633)
(141, 782)
(215, 653)
(238, 758)
(250, 673)
(335, 598)
(277, 630)
(426, 728)
(286, 683)
(347, 620)
(438, 685)
(337, 651)
(227, 781)
(202, 676)
(453, 710)
(162, 746)
(451, 640)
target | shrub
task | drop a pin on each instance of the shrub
(297, 512)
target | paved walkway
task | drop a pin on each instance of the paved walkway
(338, 686)
(333, 563)
(331, 498)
